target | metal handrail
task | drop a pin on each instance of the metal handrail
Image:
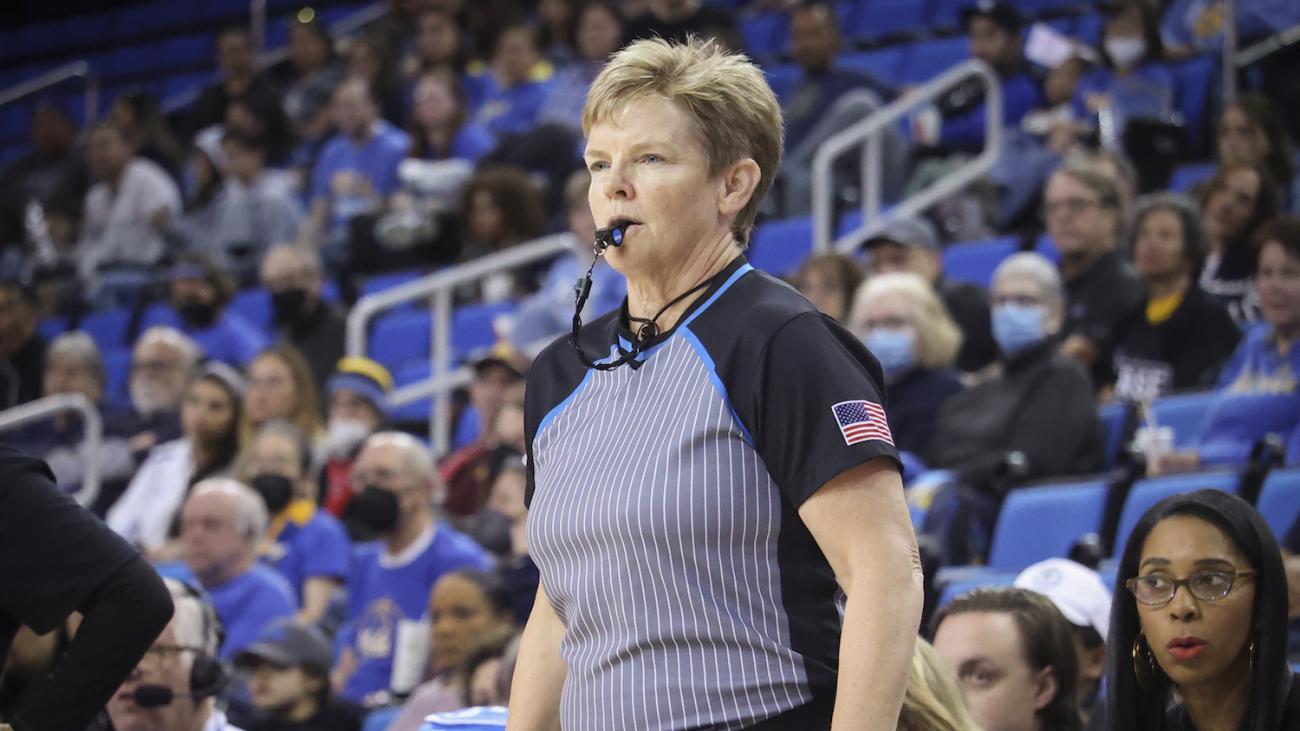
(1229, 51)
(439, 287)
(866, 135)
(49, 406)
(75, 70)
(1257, 51)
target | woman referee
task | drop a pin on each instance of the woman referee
(712, 464)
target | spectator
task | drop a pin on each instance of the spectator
(1132, 83)
(993, 28)
(305, 544)
(254, 209)
(373, 62)
(127, 209)
(1258, 391)
(1199, 638)
(49, 170)
(208, 446)
(200, 299)
(182, 663)
(280, 386)
(1251, 132)
(933, 701)
(439, 126)
(161, 363)
(222, 524)
(598, 33)
(903, 323)
(497, 374)
(1234, 204)
(1083, 599)
(511, 97)
(506, 501)
(1189, 27)
(238, 80)
(391, 579)
(1082, 208)
(500, 207)
(1038, 413)
(466, 607)
(22, 349)
(141, 122)
(289, 681)
(1180, 337)
(310, 76)
(438, 45)
(202, 182)
(356, 171)
(556, 32)
(829, 281)
(496, 398)
(911, 245)
(1013, 657)
(295, 279)
(674, 20)
(356, 397)
(549, 312)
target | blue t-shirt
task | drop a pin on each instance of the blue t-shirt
(1258, 395)
(356, 179)
(1198, 24)
(232, 339)
(1146, 93)
(248, 603)
(479, 718)
(379, 596)
(317, 547)
(509, 110)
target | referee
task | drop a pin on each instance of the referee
(712, 465)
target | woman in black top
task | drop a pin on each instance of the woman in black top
(1236, 201)
(1198, 628)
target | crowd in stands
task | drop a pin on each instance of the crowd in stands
(359, 579)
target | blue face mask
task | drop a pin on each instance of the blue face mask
(1017, 328)
(894, 348)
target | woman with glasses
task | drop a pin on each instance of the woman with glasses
(1201, 644)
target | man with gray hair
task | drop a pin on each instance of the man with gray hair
(222, 525)
(161, 363)
(294, 277)
(390, 579)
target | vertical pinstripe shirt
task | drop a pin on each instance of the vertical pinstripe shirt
(663, 500)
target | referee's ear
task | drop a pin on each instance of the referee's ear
(736, 185)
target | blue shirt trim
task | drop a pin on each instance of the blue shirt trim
(716, 380)
(550, 415)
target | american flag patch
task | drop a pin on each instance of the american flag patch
(862, 421)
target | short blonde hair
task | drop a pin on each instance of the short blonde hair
(933, 701)
(937, 337)
(735, 110)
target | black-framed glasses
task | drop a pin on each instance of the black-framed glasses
(1155, 590)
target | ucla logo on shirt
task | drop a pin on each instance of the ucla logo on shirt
(377, 628)
(1281, 383)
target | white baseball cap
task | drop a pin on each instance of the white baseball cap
(1075, 589)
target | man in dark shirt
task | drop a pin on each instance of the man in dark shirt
(239, 82)
(294, 277)
(911, 245)
(56, 558)
(289, 681)
(22, 349)
(51, 168)
(673, 19)
(1084, 215)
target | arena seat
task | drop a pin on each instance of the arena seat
(1116, 420)
(1185, 177)
(472, 326)
(1185, 413)
(881, 19)
(1279, 500)
(418, 410)
(1148, 492)
(924, 60)
(108, 328)
(381, 282)
(117, 372)
(1036, 523)
(778, 247)
(882, 63)
(1193, 81)
(765, 34)
(400, 337)
(974, 261)
(253, 305)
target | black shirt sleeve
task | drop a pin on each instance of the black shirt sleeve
(808, 366)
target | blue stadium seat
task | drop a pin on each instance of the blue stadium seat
(926, 59)
(1185, 413)
(1148, 492)
(188, 52)
(1115, 419)
(1193, 82)
(1185, 177)
(381, 282)
(1279, 500)
(954, 589)
(783, 79)
(884, 18)
(401, 337)
(1041, 522)
(253, 305)
(52, 327)
(471, 326)
(117, 370)
(108, 328)
(974, 261)
(779, 247)
(883, 63)
(418, 410)
(765, 34)
(1045, 246)
(946, 14)
(1088, 29)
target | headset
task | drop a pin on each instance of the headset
(207, 673)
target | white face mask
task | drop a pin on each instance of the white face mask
(151, 397)
(343, 436)
(1126, 52)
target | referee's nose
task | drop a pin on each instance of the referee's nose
(615, 185)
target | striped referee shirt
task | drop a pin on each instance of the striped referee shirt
(663, 500)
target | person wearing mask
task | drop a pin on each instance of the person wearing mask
(126, 212)
(1039, 413)
(510, 96)
(280, 386)
(254, 209)
(1198, 633)
(391, 579)
(1083, 599)
(22, 349)
(1258, 390)
(222, 524)
(294, 276)
(305, 544)
(289, 681)
(56, 559)
(238, 81)
(1131, 83)
(1234, 204)
(910, 244)
(1180, 337)
(933, 701)
(1084, 218)
(356, 398)
(907, 328)
(209, 443)
(200, 293)
(1013, 657)
(829, 281)
(356, 171)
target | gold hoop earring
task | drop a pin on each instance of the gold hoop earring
(1144, 661)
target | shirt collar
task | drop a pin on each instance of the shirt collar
(625, 335)
(410, 553)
